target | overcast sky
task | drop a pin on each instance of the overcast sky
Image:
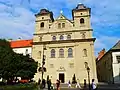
(17, 18)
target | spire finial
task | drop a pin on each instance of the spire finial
(79, 3)
(61, 12)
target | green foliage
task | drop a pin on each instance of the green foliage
(20, 87)
(74, 79)
(15, 65)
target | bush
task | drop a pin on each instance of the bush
(26, 86)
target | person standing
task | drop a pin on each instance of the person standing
(58, 84)
(78, 84)
(49, 84)
(85, 85)
(94, 86)
(69, 84)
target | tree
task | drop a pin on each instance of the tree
(15, 65)
(74, 79)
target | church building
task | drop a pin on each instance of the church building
(66, 46)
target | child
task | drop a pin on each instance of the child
(94, 86)
(69, 85)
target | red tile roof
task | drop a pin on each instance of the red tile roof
(21, 43)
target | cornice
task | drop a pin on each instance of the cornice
(64, 41)
(62, 32)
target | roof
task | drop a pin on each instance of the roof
(116, 46)
(21, 43)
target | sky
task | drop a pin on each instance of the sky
(17, 18)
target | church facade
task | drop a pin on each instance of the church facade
(66, 45)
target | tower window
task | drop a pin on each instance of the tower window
(70, 52)
(82, 21)
(61, 37)
(42, 25)
(59, 25)
(54, 38)
(68, 37)
(53, 53)
(85, 52)
(63, 25)
(61, 53)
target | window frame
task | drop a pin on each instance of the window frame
(63, 25)
(82, 21)
(52, 53)
(53, 38)
(61, 37)
(59, 25)
(70, 52)
(42, 25)
(61, 53)
(118, 58)
(68, 38)
(85, 52)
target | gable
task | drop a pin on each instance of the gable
(61, 19)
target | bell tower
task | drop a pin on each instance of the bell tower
(81, 16)
(43, 20)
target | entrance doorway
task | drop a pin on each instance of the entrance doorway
(62, 77)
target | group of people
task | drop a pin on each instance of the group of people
(93, 84)
(77, 84)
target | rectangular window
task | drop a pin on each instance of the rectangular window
(118, 59)
(63, 25)
(59, 25)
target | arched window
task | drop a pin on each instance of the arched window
(53, 53)
(61, 37)
(59, 25)
(70, 52)
(42, 25)
(54, 38)
(82, 21)
(61, 53)
(63, 25)
(85, 52)
(68, 37)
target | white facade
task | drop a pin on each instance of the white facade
(24, 50)
(116, 67)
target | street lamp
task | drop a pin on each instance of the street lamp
(88, 71)
(43, 61)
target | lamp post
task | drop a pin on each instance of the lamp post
(88, 71)
(43, 62)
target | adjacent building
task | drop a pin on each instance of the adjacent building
(67, 45)
(108, 66)
(22, 46)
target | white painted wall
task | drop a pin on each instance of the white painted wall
(23, 50)
(116, 67)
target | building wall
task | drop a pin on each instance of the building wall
(43, 37)
(104, 68)
(116, 67)
(24, 51)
